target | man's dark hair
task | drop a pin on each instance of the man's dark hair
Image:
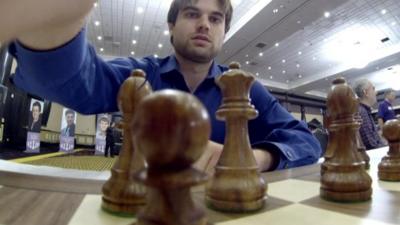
(36, 103)
(178, 5)
(70, 111)
(104, 118)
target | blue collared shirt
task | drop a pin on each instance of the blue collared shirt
(76, 77)
(385, 111)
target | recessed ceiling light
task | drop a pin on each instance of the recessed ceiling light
(95, 4)
(132, 53)
(271, 77)
(97, 23)
(99, 38)
(298, 65)
(247, 62)
(247, 56)
(140, 10)
(299, 53)
(298, 22)
(327, 14)
(257, 74)
(155, 56)
(325, 40)
(383, 11)
(134, 42)
(166, 32)
(160, 45)
(136, 28)
(260, 54)
(283, 60)
(275, 10)
(269, 68)
(102, 49)
(299, 76)
(277, 44)
(393, 23)
(287, 81)
(283, 71)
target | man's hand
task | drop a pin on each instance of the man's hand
(210, 157)
(42, 24)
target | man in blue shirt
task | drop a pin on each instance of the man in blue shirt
(385, 110)
(54, 61)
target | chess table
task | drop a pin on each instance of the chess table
(35, 195)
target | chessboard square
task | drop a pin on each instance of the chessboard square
(293, 190)
(387, 185)
(90, 212)
(302, 215)
(382, 206)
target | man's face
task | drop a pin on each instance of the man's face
(392, 96)
(199, 31)
(70, 118)
(35, 113)
(103, 125)
(370, 94)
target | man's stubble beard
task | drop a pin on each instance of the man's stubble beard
(189, 53)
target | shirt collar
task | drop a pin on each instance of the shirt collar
(366, 106)
(171, 64)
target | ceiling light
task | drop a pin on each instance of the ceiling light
(99, 38)
(134, 42)
(260, 54)
(283, 71)
(247, 62)
(298, 22)
(140, 10)
(271, 77)
(299, 53)
(298, 65)
(269, 68)
(283, 60)
(275, 11)
(393, 23)
(276, 44)
(132, 53)
(247, 56)
(97, 23)
(299, 76)
(160, 45)
(383, 11)
(166, 32)
(287, 81)
(136, 28)
(257, 74)
(155, 56)
(327, 14)
(95, 4)
(102, 49)
(314, 58)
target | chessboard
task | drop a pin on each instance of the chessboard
(292, 198)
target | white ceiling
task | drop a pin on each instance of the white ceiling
(312, 50)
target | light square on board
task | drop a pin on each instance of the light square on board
(293, 190)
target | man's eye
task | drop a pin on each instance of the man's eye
(215, 19)
(191, 15)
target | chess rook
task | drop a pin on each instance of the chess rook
(121, 193)
(172, 129)
(344, 178)
(237, 185)
(389, 167)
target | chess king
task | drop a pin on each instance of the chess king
(59, 64)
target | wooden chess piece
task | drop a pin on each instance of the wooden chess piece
(121, 194)
(361, 147)
(171, 142)
(389, 167)
(236, 185)
(345, 179)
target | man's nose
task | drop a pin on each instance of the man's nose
(203, 23)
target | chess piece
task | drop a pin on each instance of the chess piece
(389, 167)
(171, 142)
(361, 147)
(236, 185)
(344, 179)
(121, 194)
